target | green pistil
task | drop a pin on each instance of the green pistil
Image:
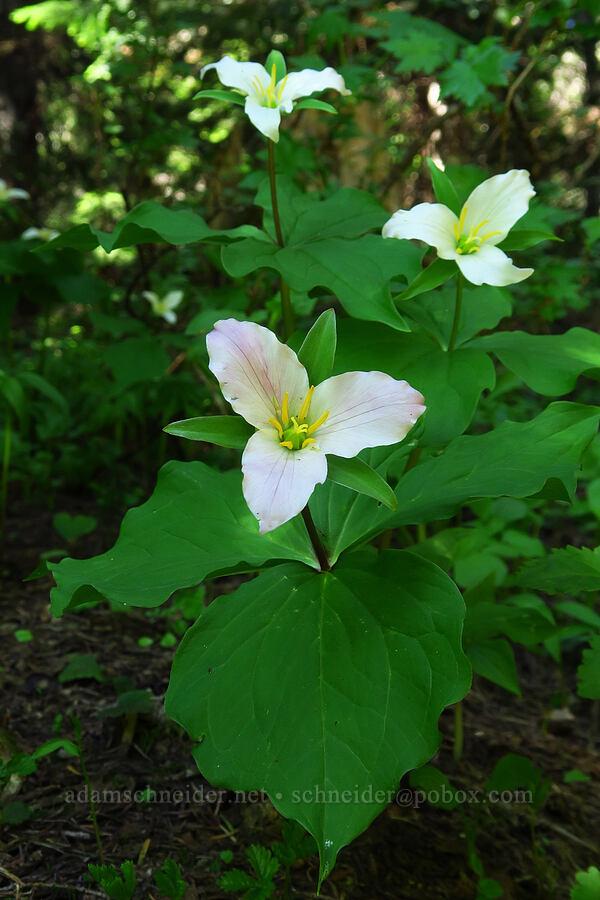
(467, 244)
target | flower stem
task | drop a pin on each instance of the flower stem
(315, 540)
(458, 732)
(457, 311)
(286, 304)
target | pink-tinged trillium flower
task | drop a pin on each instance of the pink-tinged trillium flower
(164, 306)
(299, 424)
(267, 98)
(470, 239)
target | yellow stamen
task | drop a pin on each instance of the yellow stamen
(463, 216)
(276, 424)
(489, 235)
(281, 87)
(287, 444)
(306, 404)
(481, 224)
(284, 409)
(307, 441)
(318, 423)
(456, 230)
(273, 77)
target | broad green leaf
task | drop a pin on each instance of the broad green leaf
(136, 359)
(71, 527)
(226, 431)
(13, 395)
(587, 885)
(310, 103)
(579, 611)
(436, 273)
(227, 96)
(515, 460)
(482, 308)
(450, 382)
(307, 685)
(566, 571)
(357, 271)
(317, 352)
(591, 228)
(494, 659)
(521, 239)
(548, 363)
(359, 476)
(444, 190)
(524, 625)
(195, 524)
(151, 223)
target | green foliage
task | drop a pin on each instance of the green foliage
(168, 880)
(117, 885)
(587, 885)
(71, 527)
(386, 644)
(259, 886)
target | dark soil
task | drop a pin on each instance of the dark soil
(411, 852)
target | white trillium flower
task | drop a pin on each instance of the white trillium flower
(166, 305)
(41, 234)
(299, 424)
(7, 193)
(470, 239)
(267, 98)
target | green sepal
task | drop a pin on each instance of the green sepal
(317, 352)
(435, 274)
(359, 476)
(444, 190)
(226, 431)
(228, 96)
(521, 239)
(309, 103)
(275, 58)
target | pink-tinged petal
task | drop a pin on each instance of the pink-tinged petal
(264, 118)
(309, 81)
(255, 370)
(430, 222)
(366, 409)
(278, 482)
(490, 266)
(240, 75)
(501, 200)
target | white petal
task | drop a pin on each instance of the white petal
(490, 266)
(278, 482)
(366, 409)
(30, 234)
(502, 200)
(308, 81)
(264, 118)
(239, 75)
(430, 222)
(169, 316)
(255, 370)
(172, 299)
(18, 194)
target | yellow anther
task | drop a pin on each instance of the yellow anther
(285, 418)
(489, 235)
(276, 425)
(463, 216)
(300, 429)
(306, 404)
(287, 444)
(307, 441)
(318, 423)
(273, 76)
(456, 230)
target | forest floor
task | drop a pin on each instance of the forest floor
(412, 851)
